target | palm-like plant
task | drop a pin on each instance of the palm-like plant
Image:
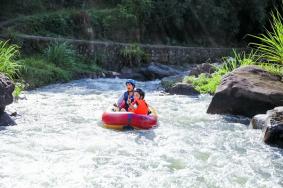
(271, 43)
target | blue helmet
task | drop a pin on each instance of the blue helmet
(131, 81)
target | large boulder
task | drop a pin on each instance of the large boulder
(247, 91)
(6, 89)
(159, 71)
(182, 89)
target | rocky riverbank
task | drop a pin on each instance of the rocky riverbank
(6, 89)
(246, 91)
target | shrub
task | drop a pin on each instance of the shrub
(38, 72)
(61, 54)
(8, 63)
(209, 83)
(133, 55)
(271, 43)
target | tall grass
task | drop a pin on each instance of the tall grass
(61, 54)
(58, 63)
(38, 71)
(271, 43)
(8, 63)
(133, 55)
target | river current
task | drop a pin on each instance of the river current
(59, 142)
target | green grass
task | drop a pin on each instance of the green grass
(271, 43)
(133, 55)
(203, 83)
(58, 63)
(61, 54)
(38, 72)
(209, 83)
(274, 69)
(19, 87)
(8, 63)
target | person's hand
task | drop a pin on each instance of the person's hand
(129, 101)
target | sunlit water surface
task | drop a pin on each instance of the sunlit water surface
(59, 142)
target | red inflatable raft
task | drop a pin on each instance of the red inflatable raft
(121, 120)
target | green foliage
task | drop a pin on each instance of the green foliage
(59, 63)
(38, 72)
(8, 63)
(208, 23)
(274, 69)
(19, 87)
(271, 43)
(133, 54)
(239, 60)
(61, 54)
(204, 83)
(209, 83)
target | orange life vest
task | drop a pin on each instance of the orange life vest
(142, 107)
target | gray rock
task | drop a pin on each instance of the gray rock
(247, 91)
(258, 121)
(6, 89)
(6, 120)
(271, 118)
(182, 89)
(274, 135)
(171, 80)
(202, 68)
(158, 71)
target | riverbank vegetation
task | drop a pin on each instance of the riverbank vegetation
(268, 56)
(189, 23)
(58, 63)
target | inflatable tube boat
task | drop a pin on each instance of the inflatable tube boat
(123, 120)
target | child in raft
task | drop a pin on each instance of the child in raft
(139, 106)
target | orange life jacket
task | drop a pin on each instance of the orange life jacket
(142, 107)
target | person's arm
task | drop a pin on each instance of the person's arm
(133, 106)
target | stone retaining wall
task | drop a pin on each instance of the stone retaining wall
(108, 52)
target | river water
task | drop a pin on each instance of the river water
(59, 142)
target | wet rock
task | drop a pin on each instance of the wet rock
(110, 74)
(6, 89)
(182, 89)
(159, 71)
(13, 114)
(274, 135)
(271, 118)
(202, 68)
(6, 120)
(2, 109)
(171, 80)
(258, 121)
(247, 91)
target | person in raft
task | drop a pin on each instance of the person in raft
(139, 106)
(128, 97)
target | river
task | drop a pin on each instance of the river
(59, 142)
